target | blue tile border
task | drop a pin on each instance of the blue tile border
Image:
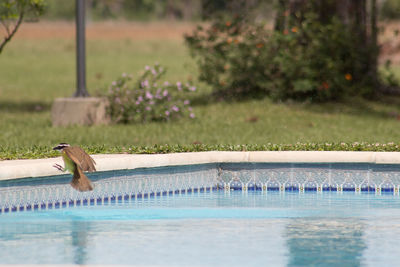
(125, 185)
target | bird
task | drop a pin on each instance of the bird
(76, 161)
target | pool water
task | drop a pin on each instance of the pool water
(211, 229)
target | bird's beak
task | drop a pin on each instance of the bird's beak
(55, 148)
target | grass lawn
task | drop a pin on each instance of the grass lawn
(34, 71)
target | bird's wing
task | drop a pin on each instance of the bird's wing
(86, 163)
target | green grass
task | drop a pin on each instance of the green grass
(396, 71)
(40, 70)
(33, 73)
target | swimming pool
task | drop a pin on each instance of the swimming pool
(209, 214)
(53, 192)
(219, 228)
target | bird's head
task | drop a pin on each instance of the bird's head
(61, 146)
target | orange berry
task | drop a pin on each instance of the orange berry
(324, 86)
(260, 45)
(348, 76)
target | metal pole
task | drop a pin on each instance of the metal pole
(80, 49)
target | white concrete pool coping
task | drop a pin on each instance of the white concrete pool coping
(14, 169)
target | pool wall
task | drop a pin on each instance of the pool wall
(35, 184)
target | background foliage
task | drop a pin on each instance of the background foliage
(390, 9)
(145, 10)
(311, 57)
(148, 99)
(12, 14)
(39, 65)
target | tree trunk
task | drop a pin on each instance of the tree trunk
(373, 42)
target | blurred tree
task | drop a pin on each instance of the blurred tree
(318, 51)
(59, 10)
(183, 9)
(249, 8)
(359, 17)
(13, 12)
(390, 9)
(145, 10)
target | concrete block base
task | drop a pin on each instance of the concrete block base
(79, 111)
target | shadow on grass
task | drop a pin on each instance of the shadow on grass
(204, 99)
(24, 106)
(382, 107)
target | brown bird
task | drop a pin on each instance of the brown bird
(76, 161)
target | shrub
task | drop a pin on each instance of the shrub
(147, 99)
(390, 9)
(308, 61)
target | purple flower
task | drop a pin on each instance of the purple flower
(153, 71)
(149, 95)
(151, 102)
(186, 102)
(175, 108)
(158, 96)
(124, 75)
(145, 83)
(192, 88)
(148, 108)
(191, 115)
(179, 85)
(140, 98)
(166, 83)
(118, 100)
(190, 108)
(147, 68)
(114, 83)
(167, 113)
(165, 93)
(137, 102)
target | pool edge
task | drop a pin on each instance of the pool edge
(15, 169)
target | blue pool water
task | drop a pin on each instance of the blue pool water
(211, 229)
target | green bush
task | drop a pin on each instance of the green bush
(59, 9)
(390, 9)
(308, 61)
(147, 99)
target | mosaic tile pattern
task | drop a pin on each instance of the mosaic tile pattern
(310, 177)
(128, 185)
(108, 187)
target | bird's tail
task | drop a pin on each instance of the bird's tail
(80, 181)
